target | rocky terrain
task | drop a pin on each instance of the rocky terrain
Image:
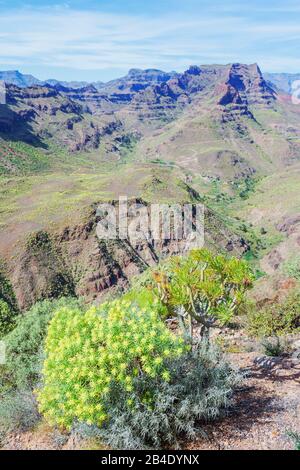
(74, 261)
(209, 134)
(225, 136)
(266, 409)
(134, 106)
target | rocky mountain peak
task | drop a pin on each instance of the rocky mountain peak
(194, 70)
(248, 81)
(15, 77)
(152, 75)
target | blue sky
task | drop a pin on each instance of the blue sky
(100, 40)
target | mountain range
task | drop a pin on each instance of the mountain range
(250, 125)
(14, 77)
(281, 81)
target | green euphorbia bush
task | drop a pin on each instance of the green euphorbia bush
(202, 288)
(90, 355)
(146, 298)
(8, 306)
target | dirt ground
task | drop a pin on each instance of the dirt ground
(266, 408)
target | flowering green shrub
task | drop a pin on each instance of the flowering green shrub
(146, 298)
(7, 318)
(91, 355)
(22, 369)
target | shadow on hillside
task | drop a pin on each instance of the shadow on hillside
(278, 372)
(18, 127)
(253, 404)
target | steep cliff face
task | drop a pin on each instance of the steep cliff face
(244, 88)
(233, 104)
(144, 99)
(7, 119)
(248, 81)
(221, 121)
(240, 85)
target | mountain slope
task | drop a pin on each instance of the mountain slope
(14, 77)
(136, 78)
(213, 134)
(237, 126)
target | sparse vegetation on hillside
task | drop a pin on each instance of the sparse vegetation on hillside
(276, 318)
(292, 267)
(21, 158)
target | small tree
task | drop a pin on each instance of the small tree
(203, 288)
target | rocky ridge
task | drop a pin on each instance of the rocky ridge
(74, 261)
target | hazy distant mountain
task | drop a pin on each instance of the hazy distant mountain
(282, 81)
(139, 79)
(14, 77)
(135, 80)
(73, 84)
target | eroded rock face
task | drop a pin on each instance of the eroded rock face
(75, 262)
(76, 119)
(142, 99)
(248, 81)
(290, 224)
(83, 118)
(245, 87)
